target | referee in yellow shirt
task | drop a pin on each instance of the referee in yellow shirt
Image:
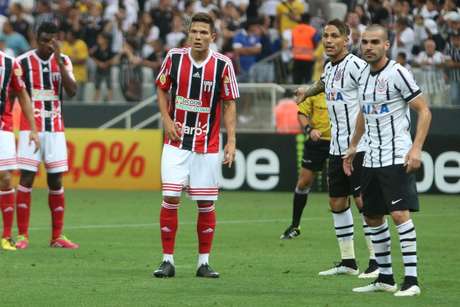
(314, 119)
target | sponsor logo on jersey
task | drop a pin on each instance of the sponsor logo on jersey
(381, 86)
(375, 108)
(199, 130)
(190, 105)
(163, 79)
(334, 95)
(207, 86)
(338, 74)
(56, 76)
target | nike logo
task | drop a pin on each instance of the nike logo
(166, 229)
(208, 230)
(396, 201)
(357, 188)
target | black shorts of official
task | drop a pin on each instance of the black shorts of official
(388, 189)
(341, 185)
(315, 154)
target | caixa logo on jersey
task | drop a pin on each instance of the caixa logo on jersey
(334, 95)
(199, 130)
(375, 108)
(56, 76)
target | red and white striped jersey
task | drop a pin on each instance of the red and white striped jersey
(44, 84)
(197, 92)
(10, 80)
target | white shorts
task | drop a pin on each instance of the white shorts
(187, 170)
(53, 151)
(7, 151)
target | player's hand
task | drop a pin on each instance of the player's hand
(348, 160)
(57, 49)
(315, 135)
(413, 159)
(229, 154)
(33, 137)
(172, 131)
(300, 94)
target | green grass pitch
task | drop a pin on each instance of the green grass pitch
(120, 247)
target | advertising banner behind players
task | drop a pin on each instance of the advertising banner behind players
(111, 159)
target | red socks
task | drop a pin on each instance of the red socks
(57, 205)
(7, 207)
(205, 226)
(23, 210)
(168, 226)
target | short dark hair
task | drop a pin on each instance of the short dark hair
(305, 18)
(47, 27)
(340, 25)
(205, 18)
(378, 27)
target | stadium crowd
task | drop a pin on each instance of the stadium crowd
(258, 35)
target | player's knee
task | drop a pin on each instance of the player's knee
(400, 217)
(171, 200)
(27, 178)
(54, 181)
(5, 180)
(338, 204)
(359, 203)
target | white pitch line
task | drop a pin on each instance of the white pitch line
(259, 221)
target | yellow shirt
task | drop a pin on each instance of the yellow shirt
(77, 51)
(282, 12)
(315, 109)
(319, 62)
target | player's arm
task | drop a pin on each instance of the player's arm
(304, 92)
(68, 82)
(413, 158)
(170, 128)
(27, 110)
(230, 126)
(351, 151)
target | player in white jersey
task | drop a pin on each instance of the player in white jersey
(340, 83)
(387, 90)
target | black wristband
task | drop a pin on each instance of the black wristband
(307, 129)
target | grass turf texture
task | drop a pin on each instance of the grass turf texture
(120, 247)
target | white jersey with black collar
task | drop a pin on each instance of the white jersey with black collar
(385, 96)
(341, 87)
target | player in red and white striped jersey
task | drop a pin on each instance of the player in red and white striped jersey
(198, 83)
(11, 86)
(47, 73)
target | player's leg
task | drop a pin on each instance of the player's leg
(372, 270)
(339, 189)
(403, 201)
(55, 158)
(174, 176)
(204, 169)
(7, 164)
(28, 162)
(314, 155)
(374, 196)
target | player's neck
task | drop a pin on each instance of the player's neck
(199, 56)
(339, 57)
(42, 56)
(378, 66)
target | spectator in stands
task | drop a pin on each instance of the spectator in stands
(355, 42)
(305, 38)
(401, 58)
(104, 58)
(162, 16)
(94, 23)
(5, 49)
(14, 40)
(20, 22)
(320, 5)
(247, 46)
(378, 13)
(288, 14)
(241, 5)
(204, 6)
(353, 21)
(77, 51)
(43, 13)
(420, 32)
(432, 81)
(176, 34)
(263, 71)
(452, 54)
(429, 10)
(404, 39)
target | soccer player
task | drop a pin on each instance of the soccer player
(314, 120)
(200, 83)
(11, 84)
(340, 83)
(386, 91)
(46, 73)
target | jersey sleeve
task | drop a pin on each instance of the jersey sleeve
(16, 83)
(306, 107)
(163, 79)
(356, 71)
(229, 84)
(406, 84)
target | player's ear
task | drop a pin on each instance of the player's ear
(213, 36)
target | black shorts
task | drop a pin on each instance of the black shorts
(341, 185)
(315, 154)
(387, 189)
